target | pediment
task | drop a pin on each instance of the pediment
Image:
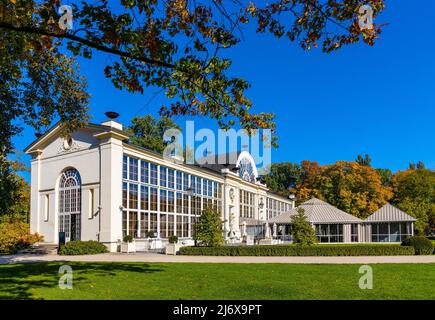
(53, 143)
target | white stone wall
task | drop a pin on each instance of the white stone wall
(111, 192)
(46, 169)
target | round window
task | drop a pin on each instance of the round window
(67, 143)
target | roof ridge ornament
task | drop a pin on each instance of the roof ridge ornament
(112, 115)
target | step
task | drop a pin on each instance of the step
(40, 248)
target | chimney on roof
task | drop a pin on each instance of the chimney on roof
(111, 121)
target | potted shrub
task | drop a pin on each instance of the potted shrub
(128, 245)
(173, 247)
(153, 242)
(150, 234)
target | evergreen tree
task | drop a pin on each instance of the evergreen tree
(302, 231)
(208, 229)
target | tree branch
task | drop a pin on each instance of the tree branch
(33, 30)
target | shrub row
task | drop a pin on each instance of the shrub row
(75, 248)
(292, 250)
(421, 245)
(15, 235)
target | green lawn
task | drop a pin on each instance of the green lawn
(216, 281)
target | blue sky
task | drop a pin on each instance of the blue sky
(378, 100)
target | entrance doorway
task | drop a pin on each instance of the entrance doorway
(70, 204)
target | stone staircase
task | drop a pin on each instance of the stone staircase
(41, 248)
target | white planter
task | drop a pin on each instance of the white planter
(128, 247)
(156, 244)
(249, 240)
(172, 248)
(266, 242)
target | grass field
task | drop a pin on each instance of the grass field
(216, 281)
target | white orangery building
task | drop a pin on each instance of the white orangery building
(94, 185)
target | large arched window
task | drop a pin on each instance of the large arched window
(70, 204)
(247, 168)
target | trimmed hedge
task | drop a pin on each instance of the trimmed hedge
(291, 250)
(76, 248)
(421, 245)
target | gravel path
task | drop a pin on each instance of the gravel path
(160, 258)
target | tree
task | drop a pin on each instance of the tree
(357, 189)
(353, 188)
(420, 165)
(38, 85)
(364, 161)
(14, 190)
(306, 189)
(414, 193)
(148, 132)
(208, 229)
(386, 176)
(283, 177)
(174, 45)
(302, 231)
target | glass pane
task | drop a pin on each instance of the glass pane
(324, 239)
(133, 194)
(383, 238)
(171, 225)
(133, 169)
(133, 222)
(144, 171)
(163, 181)
(124, 167)
(323, 229)
(153, 223)
(171, 201)
(163, 226)
(124, 223)
(153, 174)
(144, 198)
(179, 180)
(153, 199)
(405, 228)
(185, 226)
(383, 228)
(144, 225)
(394, 238)
(394, 228)
(185, 182)
(179, 203)
(163, 205)
(171, 178)
(179, 226)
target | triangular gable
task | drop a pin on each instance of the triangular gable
(97, 130)
(389, 213)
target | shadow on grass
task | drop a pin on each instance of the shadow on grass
(17, 281)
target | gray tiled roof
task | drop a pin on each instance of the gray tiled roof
(283, 218)
(317, 212)
(389, 213)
